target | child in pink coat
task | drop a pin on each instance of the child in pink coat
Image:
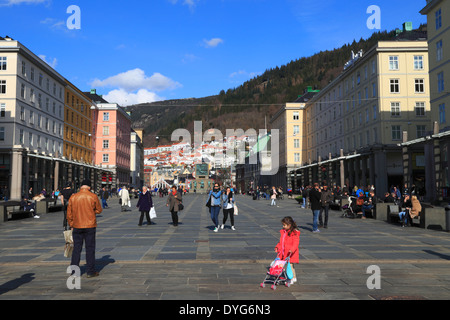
(289, 243)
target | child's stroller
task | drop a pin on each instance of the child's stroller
(349, 209)
(279, 273)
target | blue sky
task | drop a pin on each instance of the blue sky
(138, 51)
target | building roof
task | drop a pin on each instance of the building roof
(95, 97)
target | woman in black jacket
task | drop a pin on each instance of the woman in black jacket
(145, 203)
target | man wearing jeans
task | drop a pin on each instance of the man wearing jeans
(81, 216)
(314, 200)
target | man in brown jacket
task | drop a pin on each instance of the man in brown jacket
(81, 216)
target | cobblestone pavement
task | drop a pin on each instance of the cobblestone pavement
(191, 262)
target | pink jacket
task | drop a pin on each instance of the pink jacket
(289, 244)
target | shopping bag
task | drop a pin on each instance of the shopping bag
(68, 247)
(289, 272)
(153, 213)
(236, 210)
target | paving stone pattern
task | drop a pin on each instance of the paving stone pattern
(191, 262)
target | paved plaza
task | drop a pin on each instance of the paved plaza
(191, 262)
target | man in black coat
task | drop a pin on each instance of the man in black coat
(314, 200)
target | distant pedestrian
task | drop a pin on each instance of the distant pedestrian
(81, 216)
(288, 246)
(228, 207)
(104, 195)
(173, 202)
(314, 199)
(145, 203)
(66, 193)
(124, 196)
(273, 196)
(214, 209)
(326, 199)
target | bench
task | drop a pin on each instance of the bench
(18, 214)
(47, 205)
(393, 211)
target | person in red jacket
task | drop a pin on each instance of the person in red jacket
(289, 243)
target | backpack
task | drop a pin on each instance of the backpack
(360, 201)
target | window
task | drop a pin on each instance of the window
(105, 144)
(2, 86)
(106, 158)
(421, 131)
(420, 109)
(22, 113)
(106, 131)
(2, 133)
(439, 50)
(295, 117)
(2, 110)
(419, 86)
(396, 133)
(395, 86)
(32, 74)
(393, 62)
(3, 63)
(395, 109)
(24, 68)
(418, 62)
(442, 113)
(22, 91)
(438, 19)
(296, 130)
(296, 143)
(21, 136)
(296, 157)
(441, 82)
(375, 111)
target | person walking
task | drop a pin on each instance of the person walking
(228, 207)
(288, 246)
(273, 196)
(66, 193)
(215, 198)
(314, 199)
(325, 199)
(145, 203)
(124, 198)
(104, 195)
(173, 202)
(81, 216)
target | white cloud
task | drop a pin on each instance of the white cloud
(8, 3)
(214, 42)
(135, 87)
(124, 98)
(54, 24)
(137, 79)
(51, 62)
(190, 3)
(245, 74)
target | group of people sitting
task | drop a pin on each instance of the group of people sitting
(409, 205)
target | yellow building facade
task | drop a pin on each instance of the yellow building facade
(436, 144)
(349, 131)
(77, 126)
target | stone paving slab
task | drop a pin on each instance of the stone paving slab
(191, 262)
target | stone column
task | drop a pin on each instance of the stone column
(342, 167)
(16, 175)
